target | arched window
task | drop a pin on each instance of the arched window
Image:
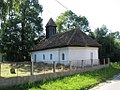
(43, 56)
(35, 57)
(50, 56)
(63, 56)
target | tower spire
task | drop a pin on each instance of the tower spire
(50, 28)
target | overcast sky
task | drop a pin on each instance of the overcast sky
(98, 12)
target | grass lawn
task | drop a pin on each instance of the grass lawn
(81, 81)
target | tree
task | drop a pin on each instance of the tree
(3, 15)
(110, 43)
(114, 46)
(24, 27)
(69, 20)
(31, 27)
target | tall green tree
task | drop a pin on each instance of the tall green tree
(24, 27)
(110, 42)
(3, 14)
(69, 20)
(31, 27)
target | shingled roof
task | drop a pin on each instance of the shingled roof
(69, 38)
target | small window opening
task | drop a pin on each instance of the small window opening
(43, 57)
(35, 57)
(50, 56)
(63, 56)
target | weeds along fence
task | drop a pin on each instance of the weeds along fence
(13, 69)
(33, 68)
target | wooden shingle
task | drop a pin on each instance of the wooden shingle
(69, 38)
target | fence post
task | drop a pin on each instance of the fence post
(108, 61)
(32, 67)
(70, 64)
(0, 69)
(104, 61)
(54, 66)
(17, 68)
(82, 63)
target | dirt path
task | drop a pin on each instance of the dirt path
(113, 84)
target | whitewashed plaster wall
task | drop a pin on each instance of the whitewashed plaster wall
(56, 54)
(71, 54)
(84, 53)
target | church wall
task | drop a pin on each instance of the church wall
(70, 54)
(83, 53)
(56, 55)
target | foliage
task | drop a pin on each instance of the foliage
(81, 81)
(69, 20)
(110, 42)
(22, 28)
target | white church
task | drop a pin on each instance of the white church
(71, 45)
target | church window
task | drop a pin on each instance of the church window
(63, 56)
(51, 56)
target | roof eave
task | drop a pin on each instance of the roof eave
(64, 46)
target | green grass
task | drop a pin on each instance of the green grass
(81, 81)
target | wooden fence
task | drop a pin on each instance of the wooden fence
(24, 79)
(34, 68)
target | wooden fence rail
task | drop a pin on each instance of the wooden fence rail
(24, 79)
